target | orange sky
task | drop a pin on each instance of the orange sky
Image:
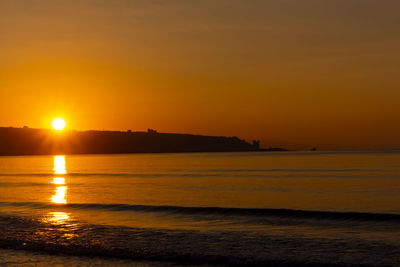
(295, 74)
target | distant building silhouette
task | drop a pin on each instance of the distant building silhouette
(256, 144)
(151, 131)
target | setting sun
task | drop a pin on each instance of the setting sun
(58, 124)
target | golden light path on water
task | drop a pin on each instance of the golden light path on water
(60, 194)
(58, 181)
(59, 165)
(57, 217)
(61, 189)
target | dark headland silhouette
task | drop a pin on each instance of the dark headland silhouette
(29, 141)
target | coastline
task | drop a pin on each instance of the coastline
(29, 141)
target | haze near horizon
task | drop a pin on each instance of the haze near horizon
(294, 74)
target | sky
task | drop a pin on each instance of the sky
(294, 74)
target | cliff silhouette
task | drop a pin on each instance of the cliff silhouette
(29, 141)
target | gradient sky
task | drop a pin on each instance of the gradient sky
(294, 74)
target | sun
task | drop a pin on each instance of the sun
(58, 124)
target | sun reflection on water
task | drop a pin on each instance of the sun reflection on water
(58, 217)
(59, 165)
(62, 222)
(60, 194)
(58, 181)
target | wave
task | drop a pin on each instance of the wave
(247, 212)
(285, 170)
(22, 184)
(210, 170)
(224, 247)
(181, 247)
(278, 173)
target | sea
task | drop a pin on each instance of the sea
(201, 209)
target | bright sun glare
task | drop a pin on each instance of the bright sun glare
(58, 124)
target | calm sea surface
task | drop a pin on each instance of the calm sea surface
(280, 208)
